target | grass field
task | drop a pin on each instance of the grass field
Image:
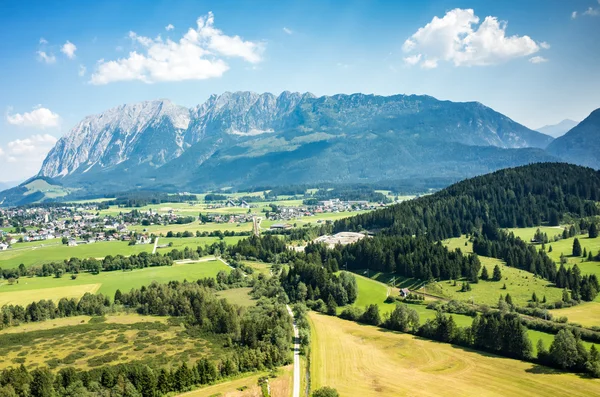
(35, 254)
(238, 296)
(91, 344)
(371, 291)
(35, 288)
(260, 267)
(527, 233)
(519, 283)
(281, 386)
(360, 360)
(586, 314)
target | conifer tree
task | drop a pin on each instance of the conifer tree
(576, 247)
(484, 274)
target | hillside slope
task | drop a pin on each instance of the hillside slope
(581, 145)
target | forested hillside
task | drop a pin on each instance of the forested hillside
(515, 197)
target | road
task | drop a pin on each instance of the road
(296, 390)
(155, 245)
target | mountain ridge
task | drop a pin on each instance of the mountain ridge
(245, 138)
(558, 129)
(581, 145)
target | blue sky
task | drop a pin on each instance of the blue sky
(535, 61)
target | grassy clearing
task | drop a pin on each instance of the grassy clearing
(238, 296)
(281, 386)
(527, 233)
(90, 345)
(586, 314)
(260, 267)
(372, 291)
(519, 283)
(35, 288)
(360, 360)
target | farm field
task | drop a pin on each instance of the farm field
(37, 255)
(92, 343)
(367, 361)
(281, 386)
(35, 288)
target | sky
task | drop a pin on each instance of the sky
(536, 61)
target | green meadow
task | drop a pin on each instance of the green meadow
(38, 254)
(31, 289)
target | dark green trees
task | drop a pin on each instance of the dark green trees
(497, 275)
(325, 392)
(484, 274)
(593, 230)
(576, 247)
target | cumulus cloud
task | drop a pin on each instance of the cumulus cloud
(39, 117)
(545, 45)
(25, 156)
(287, 30)
(537, 59)
(574, 15)
(82, 70)
(43, 41)
(69, 49)
(198, 55)
(46, 57)
(169, 27)
(413, 59)
(457, 38)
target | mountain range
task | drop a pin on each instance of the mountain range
(245, 139)
(556, 130)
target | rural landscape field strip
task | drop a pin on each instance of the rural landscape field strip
(362, 360)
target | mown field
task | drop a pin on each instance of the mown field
(36, 254)
(94, 342)
(361, 360)
(586, 314)
(31, 289)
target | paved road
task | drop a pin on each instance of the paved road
(155, 245)
(296, 390)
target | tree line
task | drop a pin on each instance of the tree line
(516, 197)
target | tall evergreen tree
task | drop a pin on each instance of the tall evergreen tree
(497, 275)
(593, 230)
(484, 274)
(576, 247)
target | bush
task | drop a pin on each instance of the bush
(352, 313)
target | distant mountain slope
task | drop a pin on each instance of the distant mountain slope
(559, 129)
(514, 197)
(581, 145)
(244, 138)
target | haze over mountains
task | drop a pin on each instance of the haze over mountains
(245, 139)
(556, 130)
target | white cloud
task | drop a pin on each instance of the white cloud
(169, 27)
(24, 157)
(46, 57)
(82, 70)
(197, 55)
(453, 38)
(545, 45)
(69, 49)
(39, 117)
(43, 41)
(574, 15)
(412, 60)
(429, 64)
(537, 59)
(287, 30)
(593, 12)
